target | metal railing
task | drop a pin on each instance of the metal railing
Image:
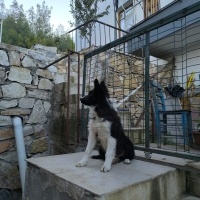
(151, 52)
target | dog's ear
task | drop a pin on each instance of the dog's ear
(104, 88)
(96, 83)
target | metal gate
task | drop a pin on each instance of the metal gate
(153, 76)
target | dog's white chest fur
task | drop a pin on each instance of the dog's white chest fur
(99, 127)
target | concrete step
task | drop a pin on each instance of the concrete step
(188, 197)
(57, 178)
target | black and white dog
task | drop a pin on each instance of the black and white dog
(105, 125)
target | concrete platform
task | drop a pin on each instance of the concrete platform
(57, 178)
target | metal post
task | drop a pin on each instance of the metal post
(1, 23)
(68, 98)
(83, 93)
(78, 104)
(147, 36)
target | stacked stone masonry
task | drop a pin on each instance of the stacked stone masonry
(25, 91)
(39, 96)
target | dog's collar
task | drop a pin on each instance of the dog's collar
(92, 117)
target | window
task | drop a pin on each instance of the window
(134, 11)
(150, 7)
(126, 19)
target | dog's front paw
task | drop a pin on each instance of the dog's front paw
(127, 161)
(81, 164)
(105, 168)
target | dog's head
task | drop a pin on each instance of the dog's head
(99, 93)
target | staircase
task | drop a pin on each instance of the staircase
(135, 134)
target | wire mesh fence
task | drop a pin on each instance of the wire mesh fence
(153, 80)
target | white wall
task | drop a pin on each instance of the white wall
(163, 3)
(138, 12)
(188, 63)
(103, 35)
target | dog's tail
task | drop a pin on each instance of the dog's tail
(99, 157)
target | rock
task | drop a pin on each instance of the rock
(59, 78)
(8, 104)
(45, 84)
(2, 75)
(38, 146)
(9, 176)
(39, 94)
(9, 156)
(20, 75)
(10, 194)
(28, 62)
(24, 118)
(31, 86)
(13, 90)
(5, 121)
(1, 95)
(28, 130)
(47, 106)
(14, 57)
(4, 58)
(6, 134)
(44, 73)
(35, 79)
(45, 48)
(6, 145)
(16, 111)
(42, 65)
(52, 69)
(39, 56)
(26, 102)
(51, 57)
(39, 131)
(28, 140)
(38, 114)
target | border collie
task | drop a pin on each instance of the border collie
(105, 125)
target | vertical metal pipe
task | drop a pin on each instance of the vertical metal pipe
(1, 24)
(115, 18)
(78, 100)
(147, 59)
(83, 93)
(68, 97)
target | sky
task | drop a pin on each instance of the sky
(59, 14)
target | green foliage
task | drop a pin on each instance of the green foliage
(84, 11)
(26, 30)
(65, 42)
(16, 32)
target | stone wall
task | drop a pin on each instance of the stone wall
(123, 73)
(39, 96)
(25, 91)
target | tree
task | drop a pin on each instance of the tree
(84, 11)
(65, 42)
(26, 30)
(60, 30)
(16, 30)
(2, 6)
(39, 21)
